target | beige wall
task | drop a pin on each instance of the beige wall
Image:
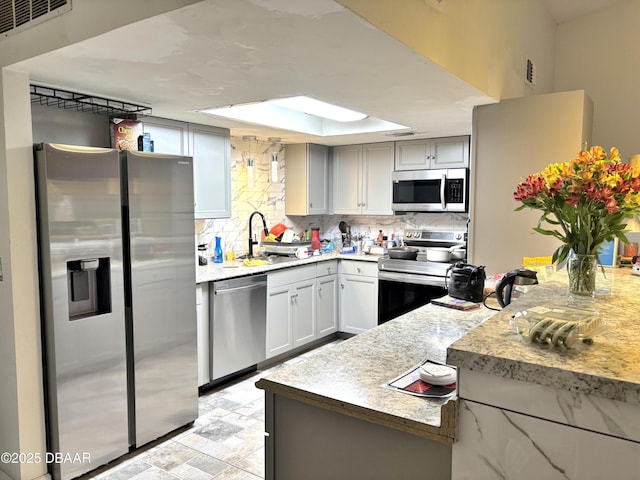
(21, 399)
(485, 43)
(511, 140)
(599, 54)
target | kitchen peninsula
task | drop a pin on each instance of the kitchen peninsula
(523, 411)
(330, 416)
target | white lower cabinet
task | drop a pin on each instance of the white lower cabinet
(358, 296)
(302, 305)
(279, 333)
(326, 298)
(291, 309)
(303, 319)
(202, 321)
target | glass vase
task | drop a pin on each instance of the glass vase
(582, 271)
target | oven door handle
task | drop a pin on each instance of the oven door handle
(411, 278)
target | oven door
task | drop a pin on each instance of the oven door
(399, 293)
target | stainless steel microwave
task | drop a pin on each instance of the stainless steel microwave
(445, 190)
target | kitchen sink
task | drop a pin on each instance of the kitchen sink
(278, 259)
(271, 259)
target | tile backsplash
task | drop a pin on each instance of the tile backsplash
(251, 191)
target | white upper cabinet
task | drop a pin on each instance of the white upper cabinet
(362, 178)
(346, 166)
(432, 153)
(211, 151)
(306, 179)
(210, 148)
(377, 165)
(169, 136)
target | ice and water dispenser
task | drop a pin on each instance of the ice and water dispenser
(89, 287)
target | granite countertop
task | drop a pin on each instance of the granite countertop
(348, 378)
(609, 368)
(221, 271)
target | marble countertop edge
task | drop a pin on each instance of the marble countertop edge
(445, 433)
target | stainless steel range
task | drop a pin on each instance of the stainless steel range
(405, 285)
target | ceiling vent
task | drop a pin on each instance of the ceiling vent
(530, 73)
(18, 15)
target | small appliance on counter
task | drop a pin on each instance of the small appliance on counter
(466, 282)
(520, 276)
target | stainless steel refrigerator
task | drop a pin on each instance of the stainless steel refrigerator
(117, 278)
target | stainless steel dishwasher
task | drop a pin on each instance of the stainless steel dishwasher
(238, 325)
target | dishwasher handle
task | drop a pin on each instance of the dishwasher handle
(251, 286)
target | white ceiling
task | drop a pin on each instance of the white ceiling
(220, 52)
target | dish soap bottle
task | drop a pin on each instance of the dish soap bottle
(217, 252)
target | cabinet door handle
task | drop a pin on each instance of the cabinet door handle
(342, 286)
(311, 205)
(358, 269)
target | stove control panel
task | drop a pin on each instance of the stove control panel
(435, 237)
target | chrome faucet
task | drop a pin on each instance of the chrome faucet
(253, 242)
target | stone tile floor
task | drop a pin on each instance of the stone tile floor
(226, 442)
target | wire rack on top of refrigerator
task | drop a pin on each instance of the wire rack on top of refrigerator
(57, 97)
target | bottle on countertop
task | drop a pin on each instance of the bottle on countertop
(315, 239)
(217, 252)
(380, 238)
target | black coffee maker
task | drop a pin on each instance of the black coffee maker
(520, 276)
(465, 282)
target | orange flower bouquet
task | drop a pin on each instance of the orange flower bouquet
(588, 200)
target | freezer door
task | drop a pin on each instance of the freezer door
(80, 248)
(163, 303)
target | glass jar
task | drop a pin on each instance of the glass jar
(582, 271)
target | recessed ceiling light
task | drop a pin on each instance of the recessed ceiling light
(304, 114)
(318, 108)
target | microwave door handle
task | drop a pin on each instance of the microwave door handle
(443, 202)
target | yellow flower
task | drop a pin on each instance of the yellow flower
(614, 155)
(597, 152)
(612, 180)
